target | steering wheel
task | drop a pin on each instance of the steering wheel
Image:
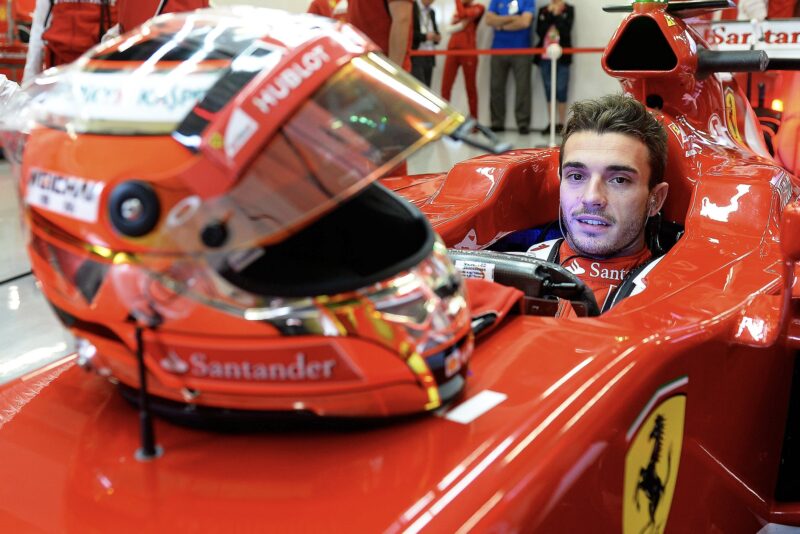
(536, 278)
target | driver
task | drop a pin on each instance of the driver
(611, 171)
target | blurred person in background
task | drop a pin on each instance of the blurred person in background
(772, 9)
(62, 30)
(426, 36)
(511, 20)
(464, 29)
(388, 23)
(554, 26)
(132, 13)
(333, 9)
(135, 12)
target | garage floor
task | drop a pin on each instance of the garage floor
(30, 334)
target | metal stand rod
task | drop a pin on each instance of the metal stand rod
(148, 449)
(553, 79)
(160, 9)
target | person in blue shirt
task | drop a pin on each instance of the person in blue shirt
(511, 20)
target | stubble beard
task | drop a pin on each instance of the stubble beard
(591, 248)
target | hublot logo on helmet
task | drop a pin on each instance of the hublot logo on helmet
(290, 79)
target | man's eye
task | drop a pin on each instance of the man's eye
(619, 180)
(574, 177)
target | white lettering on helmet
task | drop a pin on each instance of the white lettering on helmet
(300, 370)
(71, 196)
(291, 78)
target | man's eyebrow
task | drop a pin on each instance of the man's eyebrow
(622, 168)
(610, 168)
(574, 164)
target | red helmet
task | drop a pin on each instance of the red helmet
(213, 175)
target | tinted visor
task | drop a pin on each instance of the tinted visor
(363, 122)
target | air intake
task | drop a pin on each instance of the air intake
(642, 47)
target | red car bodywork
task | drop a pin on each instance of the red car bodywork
(715, 329)
(774, 94)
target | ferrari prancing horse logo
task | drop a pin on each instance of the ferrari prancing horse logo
(730, 115)
(651, 468)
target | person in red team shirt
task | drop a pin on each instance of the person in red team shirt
(135, 12)
(333, 9)
(388, 23)
(62, 30)
(132, 13)
(465, 21)
(613, 156)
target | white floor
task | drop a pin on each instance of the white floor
(30, 333)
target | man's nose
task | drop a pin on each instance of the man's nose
(595, 192)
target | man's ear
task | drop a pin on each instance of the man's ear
(658, 195)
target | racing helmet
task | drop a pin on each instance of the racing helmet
(203, 190)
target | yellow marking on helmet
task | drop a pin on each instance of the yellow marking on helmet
(123, 257)
(216, 141)
(435, 402)
(103, 252)
(382, 328)
(419, 367)
(111, 256)
(329, 315)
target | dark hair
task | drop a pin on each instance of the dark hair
(624, 115)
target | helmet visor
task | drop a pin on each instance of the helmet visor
(361, 124)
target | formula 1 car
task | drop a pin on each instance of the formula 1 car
(676, 410)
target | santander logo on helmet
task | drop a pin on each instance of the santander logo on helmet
(298, 368)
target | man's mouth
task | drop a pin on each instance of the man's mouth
(593, 221)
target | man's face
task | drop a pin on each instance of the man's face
(605, 196)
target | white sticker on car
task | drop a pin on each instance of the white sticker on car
(476, 269)
(472, 408)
